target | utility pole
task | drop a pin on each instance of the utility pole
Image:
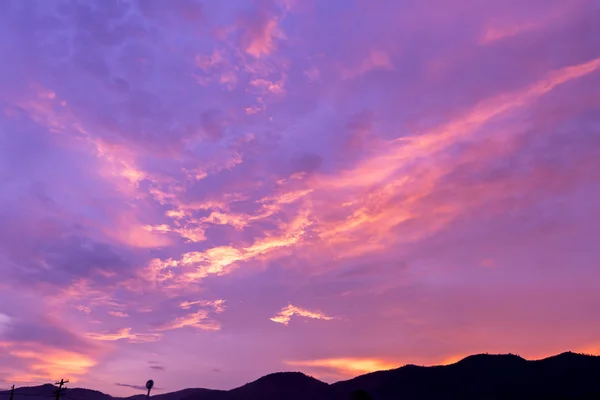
(60, 389)
(12, 392)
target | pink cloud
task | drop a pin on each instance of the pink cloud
(376, 59)
(262, 38)
(285, 315)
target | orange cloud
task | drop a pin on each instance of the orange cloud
(177, 214)
(216, 260)
(45, 362)
(274, 204)
(126, 334)
(217, 305)
(222, 260)
(134, 234)
(198, 320)
(193, 234)
(285, 315)
(238, 221)
(391, 187)
(159, 270)
(347, 367)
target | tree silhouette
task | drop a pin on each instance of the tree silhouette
(360, 395)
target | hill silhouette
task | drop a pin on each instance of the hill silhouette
(281, 385)
(565, 376)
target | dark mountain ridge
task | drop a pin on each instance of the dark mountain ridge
(484, 376)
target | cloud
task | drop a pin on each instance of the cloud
(261, 36)
(217, 305)
(499, 30)
(285, 315)
(40, 362)
(84, 309)
(5, 323)
(136, 387)
(199, 320)
(375, 60)
(222, 260)
(492, 34)
(346, 367)
(118, 314)
(125, 334)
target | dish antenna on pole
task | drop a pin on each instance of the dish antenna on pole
(149, 386)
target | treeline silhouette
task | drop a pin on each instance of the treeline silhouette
(567, 376)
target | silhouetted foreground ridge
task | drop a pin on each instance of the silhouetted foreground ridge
(566, 376)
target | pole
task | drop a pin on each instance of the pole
(12, 392)
(58, 391)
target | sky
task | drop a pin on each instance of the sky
(204, 192)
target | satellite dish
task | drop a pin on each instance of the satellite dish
(150, 384)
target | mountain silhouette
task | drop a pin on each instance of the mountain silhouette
(281, 385)
(567, 376)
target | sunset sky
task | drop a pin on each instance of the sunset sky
(203, 192)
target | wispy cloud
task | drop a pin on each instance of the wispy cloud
(5, 322)
(375, 60)
(118, 314)
(285, 315)
(217, 305)
(125, 334)
(136, 387)
(199, 320)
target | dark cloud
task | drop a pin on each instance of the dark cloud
(136, 387)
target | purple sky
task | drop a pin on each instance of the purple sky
(202, 192)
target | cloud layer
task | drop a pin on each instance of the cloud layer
(397, 182)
